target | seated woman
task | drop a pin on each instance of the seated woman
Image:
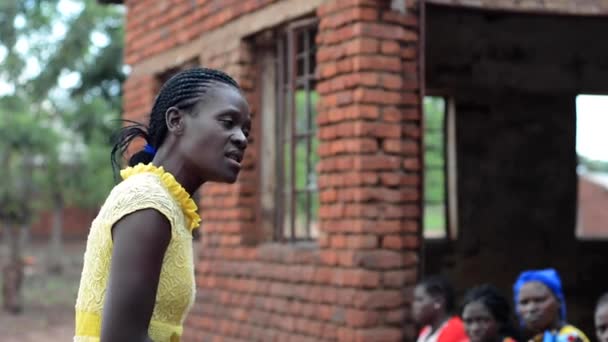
(601, 318)
(486, 314)
(432, 308)
(541, 307)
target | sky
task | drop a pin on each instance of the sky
(592, 126)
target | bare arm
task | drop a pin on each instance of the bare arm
(140, 242)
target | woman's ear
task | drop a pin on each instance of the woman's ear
(175, 120)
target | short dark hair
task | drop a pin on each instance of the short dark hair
(496, 303)
(440, 286)
(183, 90)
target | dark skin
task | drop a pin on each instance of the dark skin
(428, 309)
(538, 308)
(206, 144)
(480, 324)
(601, 322)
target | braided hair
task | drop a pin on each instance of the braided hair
(496, 303)
(439, 286)
(183, 90)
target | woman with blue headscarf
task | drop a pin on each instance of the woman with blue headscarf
(541, 307)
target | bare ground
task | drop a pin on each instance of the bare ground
(48, 299)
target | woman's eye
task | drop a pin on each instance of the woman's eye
(227, 123)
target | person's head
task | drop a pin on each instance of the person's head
(200, 119)
(486, 314)
(433, 300)
(601, 318)
(539, 300)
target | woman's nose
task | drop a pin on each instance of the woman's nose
(239, 139)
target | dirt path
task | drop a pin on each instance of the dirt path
(36, 327)
(49, 299)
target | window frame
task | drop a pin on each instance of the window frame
(278, 103)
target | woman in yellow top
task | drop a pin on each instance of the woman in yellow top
(541, 307)
(137, 282)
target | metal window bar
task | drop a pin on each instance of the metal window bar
(290, 80)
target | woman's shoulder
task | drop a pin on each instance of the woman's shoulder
(143, 184)
(139, 191)
(570, 333)
(453, 331)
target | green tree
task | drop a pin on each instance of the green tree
(25, 140)
(58, 132)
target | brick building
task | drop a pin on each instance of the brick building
(322, 237)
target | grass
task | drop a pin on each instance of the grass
(434, 221)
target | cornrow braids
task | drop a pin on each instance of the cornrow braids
(183, 90)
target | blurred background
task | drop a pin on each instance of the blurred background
(60, 100)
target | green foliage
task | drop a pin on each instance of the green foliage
(434, 164)
(59, 135)
(593, 165)
(305, 170)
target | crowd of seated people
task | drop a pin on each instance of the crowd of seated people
(486, 315)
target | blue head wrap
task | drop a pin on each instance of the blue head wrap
(550, 278)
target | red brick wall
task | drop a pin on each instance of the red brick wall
(155, 26)
(351, 284)
(76, 223)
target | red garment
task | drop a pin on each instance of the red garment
(450, 331)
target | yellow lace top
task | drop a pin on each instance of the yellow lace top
(143, 187)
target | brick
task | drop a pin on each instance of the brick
(379, 299)
(380, 259)
(362, 95)
(409, 53)
(356, 278)
(400, 278)
(347, 179)
(360, 129)
(347, 113)
(367, 163)
(411, 164)
(401, 147)
(391, 82)
(323, 275)
(400, 241)
(396, 317)
(327, 196)
(346, 16)
(334, 6)
(348, 146)
(348, 81)
(384, 31)
(378, 334)
(361, 318)
(390, 47)
(377, 63)
(361, 241)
